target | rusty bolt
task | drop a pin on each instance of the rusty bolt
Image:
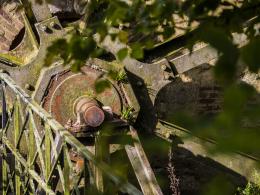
(92, 114)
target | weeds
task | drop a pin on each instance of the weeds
(252, 188)
(127, 113)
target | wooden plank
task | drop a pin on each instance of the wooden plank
(32, 151)
(4, 175)
(66, 170)
(47, 154)
(141, 166)
(102, 154)
(16, 140)
(4, 106)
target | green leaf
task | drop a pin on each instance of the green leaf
(250, 54)
(101, 85)
(137, 51)
(122, 53)
(219, 185)
(81, 48)
(123, 36)
(75, 67)
(59, 48)
(217, 38)
(226, 65)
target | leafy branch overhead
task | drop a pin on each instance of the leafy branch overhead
(142, 24)
(137, 26)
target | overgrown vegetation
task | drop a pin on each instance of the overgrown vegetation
(139, 25)
(252, 188)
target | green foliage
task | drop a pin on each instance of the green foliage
(218, 185)
(252, 188)
(141, 24)
(250, 54)
(137, 51)
(74, 50)
(122, 53)
(118, 75)
(225, 68)
(101, 85)
(127, 113)
(58, 48)
(235, 128)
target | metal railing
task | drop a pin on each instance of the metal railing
(35, 151)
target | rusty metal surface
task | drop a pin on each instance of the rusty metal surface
(66, 88)
(92, 113)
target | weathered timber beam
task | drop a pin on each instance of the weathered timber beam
(141, 166)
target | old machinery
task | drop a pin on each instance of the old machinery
(64, 117)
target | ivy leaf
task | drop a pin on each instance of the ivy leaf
(217, 38)
(101, 85)
(123, 36)
(137, 51)
(122, 53)
(250, 54)
(81, 47)
(75, 67)
(225, 68)
(59, 48)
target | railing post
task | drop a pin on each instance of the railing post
(47, 154)
(4, 164)
(32, 150)
(102, 154)
(16, 140)
(4, 111)
(4, 173)
(66, 170)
